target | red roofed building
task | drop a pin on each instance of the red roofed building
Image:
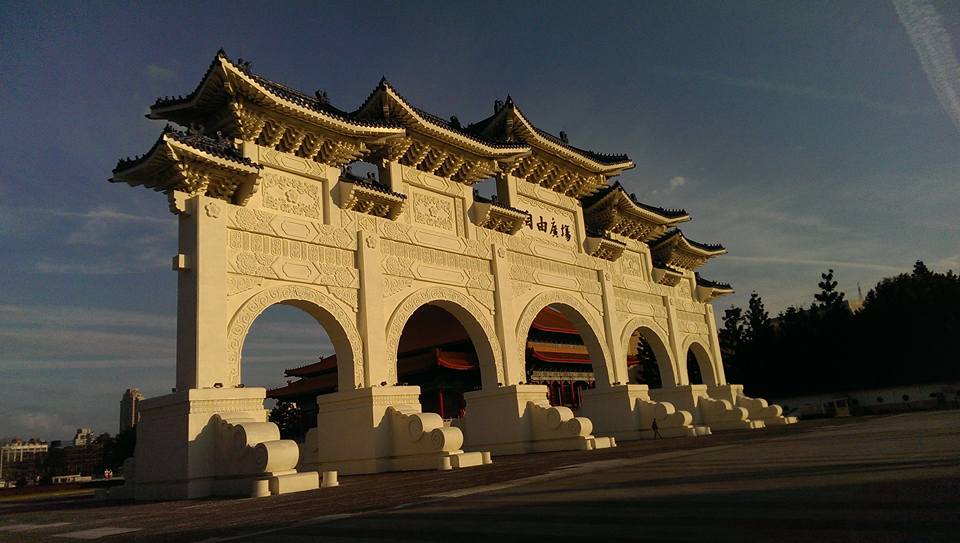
(436, 354)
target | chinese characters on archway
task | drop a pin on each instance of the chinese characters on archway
(551, 228)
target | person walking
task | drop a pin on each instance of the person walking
(656, 430)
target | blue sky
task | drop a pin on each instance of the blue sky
(801, 135)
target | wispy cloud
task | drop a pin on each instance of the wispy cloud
(76, 337)
(787, 261)
(932, 42)
(125, 242)
(948, 263)
(26, 424)
(764, 85)
(158, 73)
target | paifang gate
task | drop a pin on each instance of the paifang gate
(269, 213)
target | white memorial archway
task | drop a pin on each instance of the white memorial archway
(269, 212)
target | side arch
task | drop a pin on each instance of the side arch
(577, 311)
(704, 361)
(648, 330)
(338, 323)
(471, 316)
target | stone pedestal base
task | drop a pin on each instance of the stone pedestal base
(626, 412)
(717, 414)
(210, 442)
(519, 419)
(757, 408)
(372, 430)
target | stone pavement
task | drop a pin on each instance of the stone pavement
(892, 478)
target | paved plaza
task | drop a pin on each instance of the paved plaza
(890, 478)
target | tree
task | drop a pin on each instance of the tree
(904, 334)
(286, 415)
(732, 336)
(732, 333)
(757, 318)
(121, 448)
(828, 297)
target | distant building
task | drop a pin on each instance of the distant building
(83, 437)
(21, 458)
(130, 408)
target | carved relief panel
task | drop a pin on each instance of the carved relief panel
(263, 245)
(290, 195)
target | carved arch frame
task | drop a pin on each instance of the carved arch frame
(647, 327)
(471, 315)
(704, 360)
(337, 322)
(582, 316)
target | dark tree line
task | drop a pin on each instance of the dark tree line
(906, 332)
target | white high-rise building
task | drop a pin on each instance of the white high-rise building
(130, 408)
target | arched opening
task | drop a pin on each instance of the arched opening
(282, 332)
(436, 353)
(642, 364)
(562, 352)
(649, 361)
(699, 368)
(290, 354)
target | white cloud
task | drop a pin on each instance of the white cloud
(671, 185)
(932, 42)
(158, 73)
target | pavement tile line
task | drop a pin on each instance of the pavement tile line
(29, 527)
(579, 469)
(97, 533)
(556, 473)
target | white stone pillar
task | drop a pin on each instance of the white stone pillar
(611, 324)
(505, 318)
(372, 322)
(391, 175)
(507, 189)
(679, 359)
(715, 355)
(201, 294)
(331, 208)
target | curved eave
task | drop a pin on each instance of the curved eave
(680, 241)
(226, 78)
(566, 152)
(709, 290)
(163, 154)
(702, 249)
(413, 120)
(623, 201)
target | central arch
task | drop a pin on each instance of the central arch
(338, 324)
(647, 329)
(581, 316)
(470, 315)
